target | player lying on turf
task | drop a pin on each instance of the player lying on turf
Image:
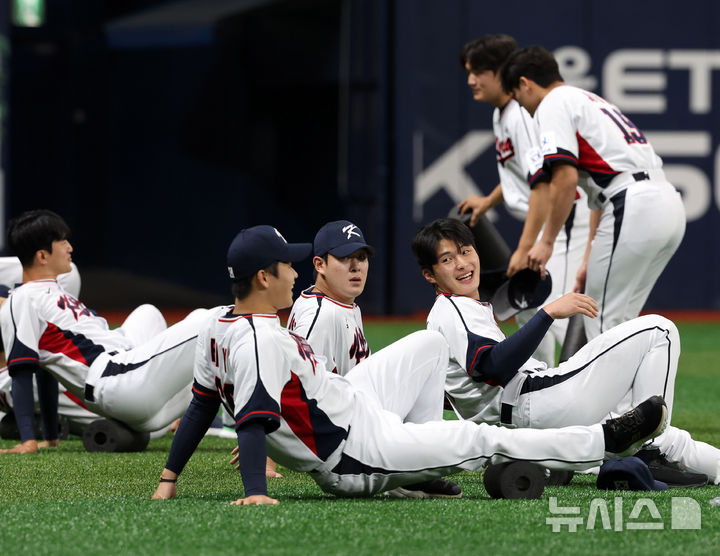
(518, 160)
(642, 218)
(493, 379)
(138, 374)
(376, 428)
(327, 316)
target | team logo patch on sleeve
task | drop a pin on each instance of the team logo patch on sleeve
(548, 144)
(534, 159)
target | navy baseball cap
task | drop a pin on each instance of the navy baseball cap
(258, 247)
(627, 474)
(340, 238)
(523, 290)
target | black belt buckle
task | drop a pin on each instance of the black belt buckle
(90, 392)
(641, 176)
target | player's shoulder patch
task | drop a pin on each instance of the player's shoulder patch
(548, 143)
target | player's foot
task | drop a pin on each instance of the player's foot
(625, 434)
(669, 472)
(436, 488)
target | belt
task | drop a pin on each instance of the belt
(90, 392)
(637, 176)
(506, 413)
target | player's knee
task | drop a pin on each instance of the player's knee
(433, 343)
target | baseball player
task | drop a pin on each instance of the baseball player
(640, 218)
(326, 314)
(69, 405)
(119, 373)
(493, 379)
(518, 159)
(378, 427)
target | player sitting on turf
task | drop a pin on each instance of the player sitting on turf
(376, 428)
(327, 316)
(493, 379)
(138, 374)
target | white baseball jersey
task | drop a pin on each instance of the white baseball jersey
(333, 329)
(581, 128)
(354, 434)
(11, 276)
(146, 386)
(643, 220)
(612, 373)
(519, 161)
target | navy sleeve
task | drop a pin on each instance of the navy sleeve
(252, 454)
(48, 392)
(193, 426)
(24, 400)
(498, 362)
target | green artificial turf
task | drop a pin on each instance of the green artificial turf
(67, 501)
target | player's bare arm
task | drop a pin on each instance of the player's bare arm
(572, 304)
(480, 205)
(581, 276)
(538, 209)
(562, 196)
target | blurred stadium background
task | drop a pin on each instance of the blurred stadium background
(158, 129)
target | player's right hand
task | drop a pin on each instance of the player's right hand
(478, 205)
(572, 304)
(254, 500)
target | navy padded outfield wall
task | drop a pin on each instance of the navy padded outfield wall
(664, 74)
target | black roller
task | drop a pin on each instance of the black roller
(515, 480)
(574, 337)
(105, 435)
(556, 477)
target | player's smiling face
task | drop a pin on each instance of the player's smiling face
(342, 279)
(457, 270)
(485, 86)
(281, 287)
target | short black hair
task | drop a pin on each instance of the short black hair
(35, 230)
(425, 241)
(533, 62)
(241, 288)
(488, 52)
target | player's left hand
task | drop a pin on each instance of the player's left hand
(572, 304)
(255, 500)
(538, 257)
(518, 261)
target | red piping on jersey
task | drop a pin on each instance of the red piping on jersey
(14, 361)
(476, 356)
(248, 316)
(54, 341)
(257, 413)
(213, 395)
(75, 399)
(319, 294)
(466, 297)
(590, 160)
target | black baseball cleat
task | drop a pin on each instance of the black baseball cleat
(625, 434)
(436, 488)
(669, 472)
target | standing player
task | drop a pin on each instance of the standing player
(643, 219)
(376, 428)
(326, 314)
(519, 160)
(493, 379)
(50, 334)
